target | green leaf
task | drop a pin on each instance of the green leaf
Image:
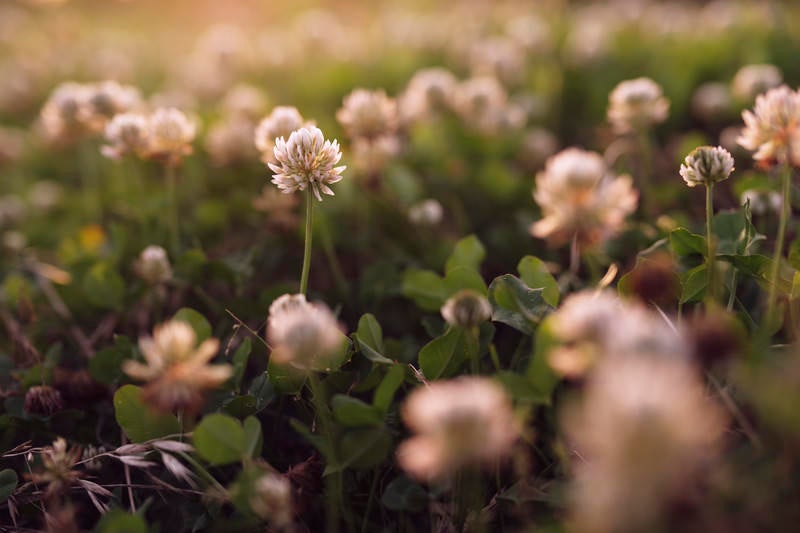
(516, 304)
(104, 287)
(369, 340)
(198, 322)
(318, 441)
(729, 230)
(285, 378)
(219, 439)
(443, 356)
(426, 288)
(403, 494)
(253, 437)
(384, 393)
(693, 283)
(460, 277)
(363, 448)
(469, 252)
(534, 273)
(106, 365)
(139, 422)
(522, 390)
(352, 412)
(240, 358)
(118, 521)
(684, 242)
(8, 483)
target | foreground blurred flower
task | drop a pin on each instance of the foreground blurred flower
(306, 160)
(580, 199)
(368, 114)
(644, 430)
(302, 334)
(466, 309)
(153, 265)
(128, 134)
(593, 324)
(281, 122)
(62, 113)
(706, 165)
(457, 423)
(171, 134)
(636, 104)
(176, 369)
(771, 129)
(271, 499)
(752, 80)
(58, 473)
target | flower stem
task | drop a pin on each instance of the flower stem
(172, 191)
(333, 481)
(710, 242)
(308, 235)
(786, 206)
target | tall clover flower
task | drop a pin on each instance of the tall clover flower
(772, 129)
(707, 165)
(306, 162)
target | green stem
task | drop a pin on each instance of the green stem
(172, 191)
(308, 235)
(710, 241)
(372, 489)
(333, 481)
(786, 182)
(646, 170)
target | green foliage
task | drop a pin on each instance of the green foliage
(516, 304)
(221, 439)
(138, 420)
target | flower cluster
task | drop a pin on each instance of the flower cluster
(166, 135)
(772, 129)
(706, 165)
(636, 104)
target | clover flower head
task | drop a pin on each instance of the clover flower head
(580, 199)
(127, 133)
(171, 134)
(458, 422)
(636, 104)
(176, 369)
(706, 165)
(306, 160)
(106, 99)
(368, 114)
(466, 309)
(428, 212)
(428, 92)
(281, 122)
(773, 127)
(752, 80)
(62, 116)
(153, 265)
(230, 140)
(271, 499)
(302, 334)
(648, 427)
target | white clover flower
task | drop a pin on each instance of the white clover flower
(368, 114)
(481, 103)
(458, 422)
(706, 165)
(752, 80)
(466, 309)
(580, 199)
(428, 212)
(302, 334)
(636, 104)
(499, 57)
(106, 99)
(428, 92)
(271, 499)
(244, 101)
(370, 156)
(171, 134)
(153, 265)
(230, 140)
(128, 133)
(176, 370)
(762, 202)
(646, 427)
(711, 101)
(281, 122)
(771, 129)
(62, 114)
(306, 160)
